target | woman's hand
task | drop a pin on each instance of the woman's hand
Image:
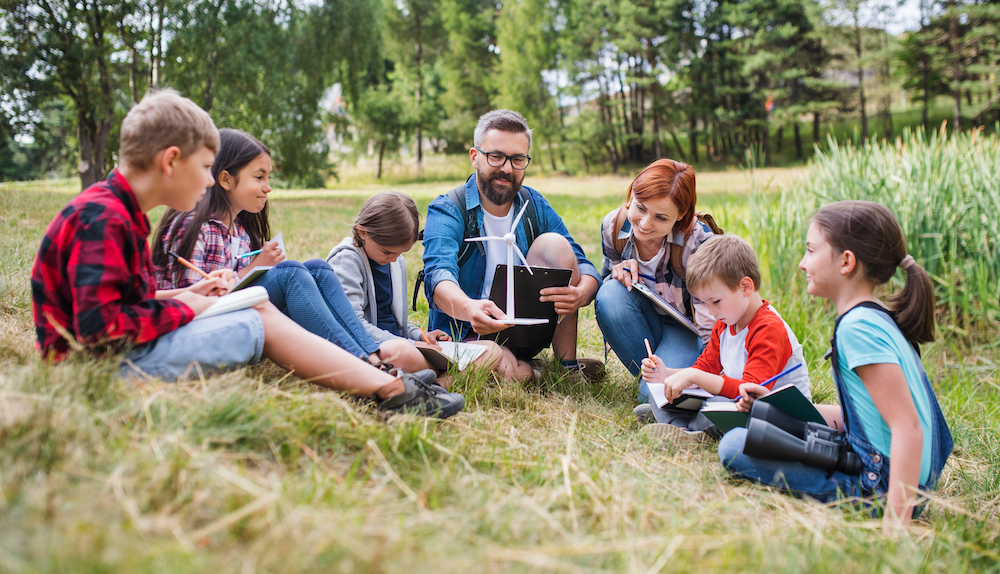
(438, 335)
(270, 254)
(749, 392)
(626, 272)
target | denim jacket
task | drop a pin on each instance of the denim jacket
(875, 466)
(445, 231)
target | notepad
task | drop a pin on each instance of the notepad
(691, 399)
(234, 302)
(665, 306)
(788, 399)
(250, 277)
(450, 353)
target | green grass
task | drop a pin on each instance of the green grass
(255, 472)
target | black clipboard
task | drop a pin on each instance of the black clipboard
(526, 304)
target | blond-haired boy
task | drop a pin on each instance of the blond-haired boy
(750, 342)
(93, 277)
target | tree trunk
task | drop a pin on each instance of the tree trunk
(693, 137)
(798, 140)
(765, 142)
(861, 80)
(816, 116)
(156, 61)
(779, 138)
(418, 57)
(927, 91)
(381, 153)
(677, 144)
(955, 72)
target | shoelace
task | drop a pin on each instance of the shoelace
(430, 388)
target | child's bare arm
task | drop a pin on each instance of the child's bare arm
(675, 384)
(887, 386)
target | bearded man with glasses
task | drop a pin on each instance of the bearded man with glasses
(458, 289)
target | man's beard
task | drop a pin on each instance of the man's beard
(496, 194)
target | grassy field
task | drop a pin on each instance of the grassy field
(255, 472)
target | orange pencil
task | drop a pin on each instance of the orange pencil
(648, 350)
(424, 335)
(190, 265)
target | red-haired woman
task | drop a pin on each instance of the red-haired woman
(649, 239)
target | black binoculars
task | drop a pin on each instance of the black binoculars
(775, 435)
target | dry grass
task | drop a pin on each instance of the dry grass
(254, 472)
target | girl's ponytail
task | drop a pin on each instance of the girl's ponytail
(871, 232)
(914, 305)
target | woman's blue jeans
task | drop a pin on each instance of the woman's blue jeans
(311, 295)
(626, 318)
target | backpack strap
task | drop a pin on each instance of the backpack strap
(466, 248)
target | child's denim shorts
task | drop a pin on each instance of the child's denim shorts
(221, 343)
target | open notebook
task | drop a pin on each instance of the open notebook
(235, 301)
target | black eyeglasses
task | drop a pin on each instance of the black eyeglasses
(497, 159)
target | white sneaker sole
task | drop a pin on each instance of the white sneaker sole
(676, 434)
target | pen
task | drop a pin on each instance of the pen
(643, 275)
(190, 265)
(249, 254)
(779, 375)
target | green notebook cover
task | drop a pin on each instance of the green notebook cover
(789, 399)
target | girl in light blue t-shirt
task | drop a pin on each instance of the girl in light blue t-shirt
(887, 409)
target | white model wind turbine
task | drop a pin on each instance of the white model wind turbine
(511, 240)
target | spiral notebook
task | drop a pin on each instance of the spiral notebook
(674, 312)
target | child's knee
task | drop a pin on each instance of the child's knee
(731, 446)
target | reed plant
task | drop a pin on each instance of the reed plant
(945, 191)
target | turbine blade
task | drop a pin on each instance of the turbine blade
(518, 218)
(523, 259)
(484, 238)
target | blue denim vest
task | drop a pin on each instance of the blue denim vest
(875, 466)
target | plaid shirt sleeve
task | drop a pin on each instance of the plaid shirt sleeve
(101, 271)
(211, 252)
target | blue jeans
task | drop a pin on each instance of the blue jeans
(311, 295)
(626, 318)
(796, 477)
(221, 343)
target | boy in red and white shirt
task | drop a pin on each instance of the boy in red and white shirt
(750, 342)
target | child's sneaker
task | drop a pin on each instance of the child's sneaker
(676, 434)
(423, 396)
(644, 414)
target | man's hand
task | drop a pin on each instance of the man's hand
(626, 272)
(195, 301)
(483, 314)
(218, 284)
(570, 298)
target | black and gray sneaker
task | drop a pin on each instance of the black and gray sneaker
(423, 396)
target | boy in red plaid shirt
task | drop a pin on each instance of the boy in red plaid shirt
(93, 279)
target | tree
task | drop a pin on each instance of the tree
(67, 48)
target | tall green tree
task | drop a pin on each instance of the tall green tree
(67, 48)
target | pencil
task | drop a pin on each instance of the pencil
(424, 335)
(648, 350)
(190, 265)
